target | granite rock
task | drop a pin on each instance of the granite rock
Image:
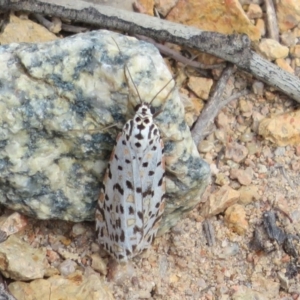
(58, 102)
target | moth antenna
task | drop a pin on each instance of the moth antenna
(162, 90)
(139, 96)
(174, 77)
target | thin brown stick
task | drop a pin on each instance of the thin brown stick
(209, 233)
(178, 57)
(212, 107)
(208, 118)
(272, 26)
(235, 96)
(233, 48)
(73, 28)
(54, 27)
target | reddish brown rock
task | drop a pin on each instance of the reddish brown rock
(248, 194)
(295, 51)
(236, 152)
(271, 49)
(20, 261)
(164, 6)
(246, 108)
(200, 86)
(222, 16)
(283, 129)
(14, 223)
(244, 177)
(219, 201)
(235, 217)
(288, 14)
(76, 286)
(254, 11)
(22, 30)
(144, 6)
(281, 62)
(98, 263)
(261, 26)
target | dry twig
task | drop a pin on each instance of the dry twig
(213, 106)
(177, 56)
(233, 48)
(54, 26)
(73, 28)
(272, 26)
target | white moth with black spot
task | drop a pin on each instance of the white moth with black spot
(131, 202)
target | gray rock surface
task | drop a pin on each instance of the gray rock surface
(57, 100)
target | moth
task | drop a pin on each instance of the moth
(131, 203)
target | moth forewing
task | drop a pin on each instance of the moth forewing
(131, 203)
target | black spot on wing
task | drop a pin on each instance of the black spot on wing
(122, 236)
(131, 127)
(129, 185)
(119, 188)
(147, 192)
(140, 215)
(141, 126)
(161, 181)
(130, 210)
(150, 131)
(139, 136)
(137, 229)
(109, 173)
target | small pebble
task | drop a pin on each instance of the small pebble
(67, 267)
(78, 229)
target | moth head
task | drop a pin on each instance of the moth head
(144, 109)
